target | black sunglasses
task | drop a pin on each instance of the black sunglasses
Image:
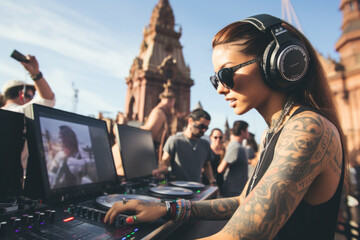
(225, 75)
(201, 127)
(28, 96)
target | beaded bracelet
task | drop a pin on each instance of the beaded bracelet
(178, 210)
(184, 207)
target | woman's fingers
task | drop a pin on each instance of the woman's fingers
(133, 220)
(117, 208)
(146, 211)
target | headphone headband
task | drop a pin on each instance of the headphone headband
(263, 21)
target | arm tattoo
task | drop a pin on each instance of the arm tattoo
(218, 209)
(152, 204)
(307, 144)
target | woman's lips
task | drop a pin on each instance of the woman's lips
(232, 103)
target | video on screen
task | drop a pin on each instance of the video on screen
(69, 153)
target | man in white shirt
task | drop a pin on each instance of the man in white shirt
(19, 94)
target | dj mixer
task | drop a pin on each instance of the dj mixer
(84, 220)
(68, 197)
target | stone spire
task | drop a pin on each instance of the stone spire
(160, 60)
(162, 15)
(348, 44)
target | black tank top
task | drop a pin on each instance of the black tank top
(307, 222)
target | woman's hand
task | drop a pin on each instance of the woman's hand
(145, 211)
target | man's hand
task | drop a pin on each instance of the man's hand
(32, 66)
(158, 173)
(213, 183)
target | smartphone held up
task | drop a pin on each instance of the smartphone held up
(19, 56)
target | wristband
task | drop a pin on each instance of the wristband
(37, 76)
(170, 210)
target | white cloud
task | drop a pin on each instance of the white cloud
(9, 70)
(65, 32)
(96, 102)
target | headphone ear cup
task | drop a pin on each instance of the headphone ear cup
(285, 67)
(289, 64)
(266, 65)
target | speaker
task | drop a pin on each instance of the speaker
(285, 60)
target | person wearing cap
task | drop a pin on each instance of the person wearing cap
(19, 94)
(158, 122)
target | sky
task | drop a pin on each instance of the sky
(89, 45)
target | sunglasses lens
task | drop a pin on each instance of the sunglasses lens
(226, 78)
(29, 96)
(203, 127)
(214, 82)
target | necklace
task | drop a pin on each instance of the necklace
(193, 146)
(271, 130)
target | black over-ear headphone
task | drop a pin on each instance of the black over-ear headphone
(285, 60)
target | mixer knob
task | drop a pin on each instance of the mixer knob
(36, 216)
(24, 218)
(17, 224)
(85, 213)
(2, 229)
(71, 209)
(12, 221)
(101, 217)
(30, 220)
(47, 214)
(42, 218)
(78, 211)
(52, 216)
(95, 215)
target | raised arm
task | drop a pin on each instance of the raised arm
(41, 84)
(308, 148)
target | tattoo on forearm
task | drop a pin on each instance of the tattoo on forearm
(306, 145)
(152, 204)
(214, 209)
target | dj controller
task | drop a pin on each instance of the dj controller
(84, 219)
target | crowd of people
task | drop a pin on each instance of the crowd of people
(189, 156)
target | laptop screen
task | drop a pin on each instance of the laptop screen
(136, 150)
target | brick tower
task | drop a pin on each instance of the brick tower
(160, 59)
(344, 76)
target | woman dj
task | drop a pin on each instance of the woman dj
(264, 63)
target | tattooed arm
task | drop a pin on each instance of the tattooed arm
(218, 209)
(306, 165)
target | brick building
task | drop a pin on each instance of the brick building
(344, 76)
(160, 60)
